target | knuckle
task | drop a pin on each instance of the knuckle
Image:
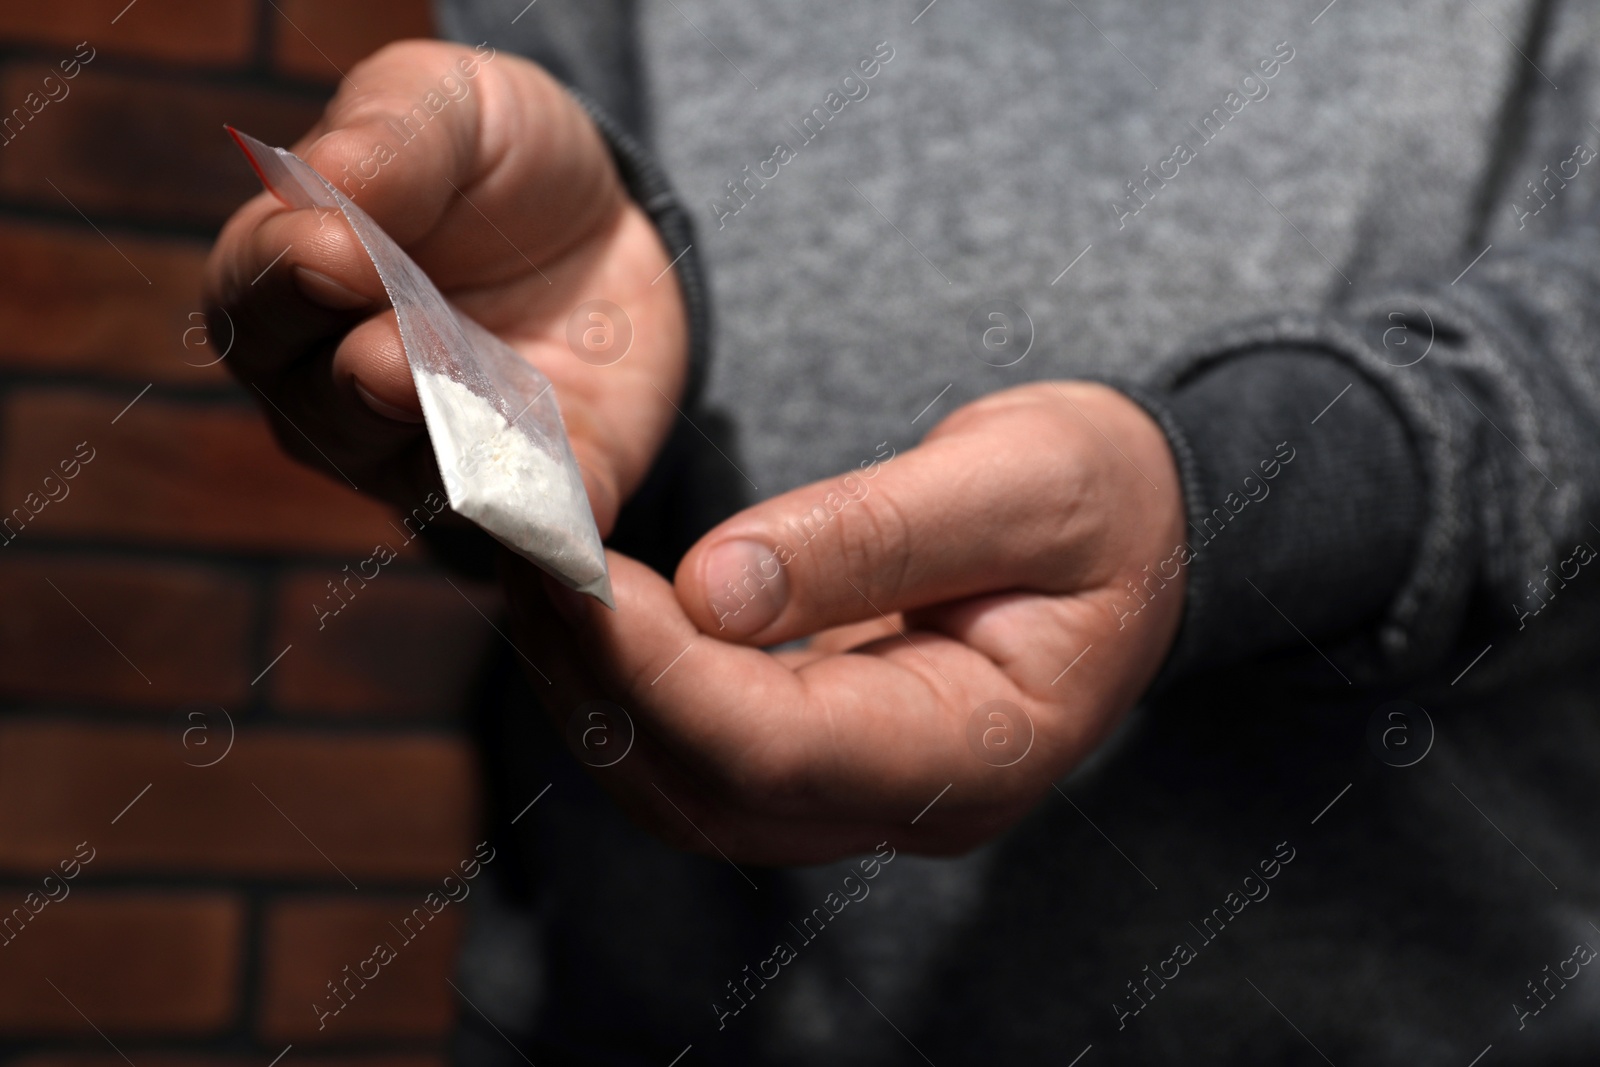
(403, 55)
(875, 545)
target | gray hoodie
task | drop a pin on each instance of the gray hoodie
(1351, 246)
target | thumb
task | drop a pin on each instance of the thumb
(990, 502)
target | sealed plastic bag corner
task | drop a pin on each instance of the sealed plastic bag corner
(492, 416)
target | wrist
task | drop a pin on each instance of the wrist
(1146, 584)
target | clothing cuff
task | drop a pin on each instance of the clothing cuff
(1304, 495)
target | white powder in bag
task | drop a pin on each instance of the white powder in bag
(499, 477)
(520, 484)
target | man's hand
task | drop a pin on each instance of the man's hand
(946, 593)
(497, 183)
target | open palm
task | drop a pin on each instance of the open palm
(969, 638)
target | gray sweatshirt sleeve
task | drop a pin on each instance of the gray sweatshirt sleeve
(1445, 488)
(1434, 460)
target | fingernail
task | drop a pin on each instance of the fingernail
(318, 288)
(746, 587)
(383, 407)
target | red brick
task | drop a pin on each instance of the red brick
(309, 943)
(383, 806)
(132, 962)
(141, 147)
(184, 630)
(72, 303)
(402, 645)
(319, 40)
(206, 32)
(178, 474)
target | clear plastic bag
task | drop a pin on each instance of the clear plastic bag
(492, 416)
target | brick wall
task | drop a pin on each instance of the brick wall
(157, 602)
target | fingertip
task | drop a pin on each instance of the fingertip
(320, 288)
(371, 363)
(334, 153)
(226, 271)
(383, 407)
(307, 254)
(733, 588)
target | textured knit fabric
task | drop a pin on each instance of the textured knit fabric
(1360, 237)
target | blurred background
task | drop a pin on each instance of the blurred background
(260, 797)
